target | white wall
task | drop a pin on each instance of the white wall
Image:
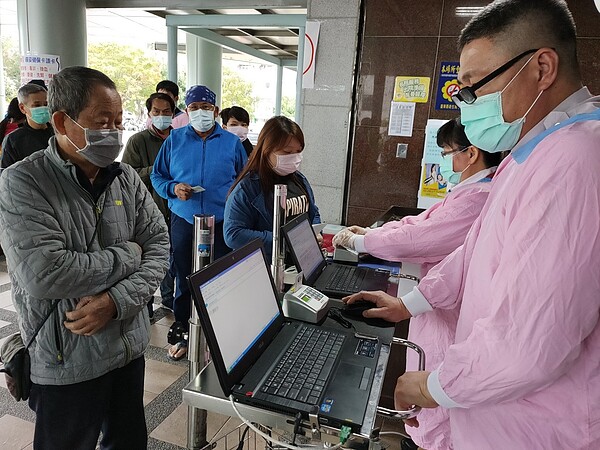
(326, 108)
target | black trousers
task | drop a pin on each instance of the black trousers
(72, 416)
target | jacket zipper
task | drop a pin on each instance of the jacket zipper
(59, 341)
(202, 174)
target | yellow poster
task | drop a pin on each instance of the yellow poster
(411, 89)
(434, 185)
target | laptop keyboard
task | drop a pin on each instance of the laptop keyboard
(346, 279)
(302, 372)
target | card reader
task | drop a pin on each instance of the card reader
(304, 303)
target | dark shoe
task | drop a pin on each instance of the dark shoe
(176, 333)
(178, 351)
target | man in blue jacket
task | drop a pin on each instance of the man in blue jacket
(196, 166)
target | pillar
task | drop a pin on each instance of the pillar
(55, 27)
(204, 61)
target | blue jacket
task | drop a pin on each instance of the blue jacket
(247, 217)
(213, 163)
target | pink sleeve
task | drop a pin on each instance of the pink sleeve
(433, 234)
(543, 298)
(181, 120)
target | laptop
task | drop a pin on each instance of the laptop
(332, 279)
(263, 359)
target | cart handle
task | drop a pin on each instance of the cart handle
(412, 412)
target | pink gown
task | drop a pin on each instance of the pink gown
(524, 371)
(426, 239)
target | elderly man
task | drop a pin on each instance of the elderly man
(194, 170)
(78, 227)
(34, 134)
(523, 371)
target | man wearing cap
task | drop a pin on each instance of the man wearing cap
(194, 170)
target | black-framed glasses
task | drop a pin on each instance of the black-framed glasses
(453, 152)
(467, 94)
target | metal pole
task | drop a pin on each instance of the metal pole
(278, 255)
(278, 89)
(202, 251)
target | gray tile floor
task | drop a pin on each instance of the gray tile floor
(166, 416)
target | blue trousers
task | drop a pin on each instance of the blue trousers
(71, 416)
(182, 236)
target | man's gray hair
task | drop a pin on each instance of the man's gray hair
(72, 87)
(26, 90)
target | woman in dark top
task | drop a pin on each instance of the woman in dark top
(236, 120)
(275, 160)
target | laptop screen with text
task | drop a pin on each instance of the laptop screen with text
(305, 247)
(241, 304)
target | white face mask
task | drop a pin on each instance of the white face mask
(287, 164)
(202, 120)
(239, 131)
(102, 146)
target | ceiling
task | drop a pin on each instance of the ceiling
(272, 30)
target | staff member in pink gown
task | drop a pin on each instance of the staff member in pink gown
(426, 239)
(524, 370)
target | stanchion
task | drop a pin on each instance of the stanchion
(278, 253)
(203, 245)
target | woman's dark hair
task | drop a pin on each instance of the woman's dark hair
(237, 112)
(160, 96)
(274, 136)
(452, 134)
(12, 112)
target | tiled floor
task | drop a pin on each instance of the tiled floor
(166, 416)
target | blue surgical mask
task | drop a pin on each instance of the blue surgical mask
(162, 122)
(202, 120)
(484, 122)
(447, 168)
(40, 115)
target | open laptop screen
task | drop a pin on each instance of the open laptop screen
(241, 304)
(301, 238)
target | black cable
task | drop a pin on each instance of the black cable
(241, 443)
(297, 427)
(336, 314)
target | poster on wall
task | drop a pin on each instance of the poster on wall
(433, 186)
(411, 89)
(447, 86)
(311, 39)
(402, 117)
(39, 67)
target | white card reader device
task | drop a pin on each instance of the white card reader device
(304, 302)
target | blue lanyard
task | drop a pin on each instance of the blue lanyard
(522, 153)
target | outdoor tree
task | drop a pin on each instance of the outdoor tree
(134, 73)
(288, 106)
(237, 92)
(12, 67)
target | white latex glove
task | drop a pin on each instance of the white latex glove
(358, 230)
(344, 238)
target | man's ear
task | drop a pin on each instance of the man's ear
(22, 108)
(216, 111)
(58, 120)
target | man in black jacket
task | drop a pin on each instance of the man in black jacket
(34, 134)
